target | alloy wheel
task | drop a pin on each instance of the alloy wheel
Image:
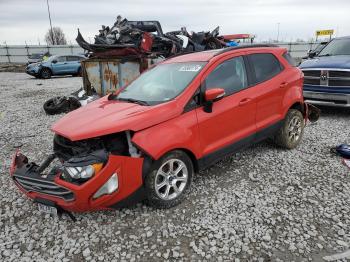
(294, 129)
(171, 179)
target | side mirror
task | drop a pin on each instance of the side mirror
(311, 54)
(54, 61)
(211, 96)
(214, 94)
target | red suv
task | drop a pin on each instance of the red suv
(147, 140)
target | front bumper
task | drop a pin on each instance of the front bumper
(79, 198)
(32, 72)
(327, 99)
(338, 97)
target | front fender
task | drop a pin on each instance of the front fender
(178, 133)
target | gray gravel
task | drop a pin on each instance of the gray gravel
(260, 204)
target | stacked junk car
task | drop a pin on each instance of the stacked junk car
(125, 50)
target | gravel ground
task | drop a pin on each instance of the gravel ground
(261, 204)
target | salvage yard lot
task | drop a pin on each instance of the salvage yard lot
(263, 203)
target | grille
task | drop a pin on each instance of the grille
(332, 82)
(315, 73)
(43, 186)
(332, 78)
(312, 81)
(339, 74)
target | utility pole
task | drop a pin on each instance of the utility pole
(48, 10)
(278, 31)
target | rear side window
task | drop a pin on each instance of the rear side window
(229, 75)
(73, 58)
(289, 59)
(265, 66)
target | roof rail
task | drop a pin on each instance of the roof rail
(227, 49)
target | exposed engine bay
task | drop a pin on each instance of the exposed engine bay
(82, 159)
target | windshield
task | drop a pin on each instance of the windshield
(162, 83)
(336, 47)
(51, 58)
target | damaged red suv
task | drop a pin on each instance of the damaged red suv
(146, 141)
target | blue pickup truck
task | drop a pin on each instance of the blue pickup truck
(327, 74)
(56, 65)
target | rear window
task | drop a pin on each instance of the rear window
(265, 66)
(289, 59)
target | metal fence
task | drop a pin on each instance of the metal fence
(19, 53)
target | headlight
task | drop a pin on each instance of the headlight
(109, 187)
(84, 172)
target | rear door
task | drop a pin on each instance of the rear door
(73, 64)
(231, 124)
(270, 86)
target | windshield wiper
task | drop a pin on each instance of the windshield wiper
(324, 55)
(132, 100)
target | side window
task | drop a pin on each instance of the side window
(72, 58)
(265, 66)
(61, 59)
(229, 75)
(289, 59)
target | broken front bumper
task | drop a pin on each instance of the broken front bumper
(79, 198)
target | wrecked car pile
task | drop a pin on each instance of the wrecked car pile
(147, 37)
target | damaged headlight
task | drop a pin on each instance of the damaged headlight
(84, 172)
(109, 187)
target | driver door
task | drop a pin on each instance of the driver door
(231, 124)
(60, 66)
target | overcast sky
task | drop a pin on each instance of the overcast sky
(27, 20)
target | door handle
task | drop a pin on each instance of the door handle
(244, 101)
(283, 85)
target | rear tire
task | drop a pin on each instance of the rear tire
(45, 73)
(169, 180)
(290, 134)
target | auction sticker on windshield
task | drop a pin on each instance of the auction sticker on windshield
(190, 68)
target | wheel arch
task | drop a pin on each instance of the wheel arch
(191, 155)
(45, 67)
(298, 105)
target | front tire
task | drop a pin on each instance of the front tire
(45, 73)
(169, 180)
(290, 134)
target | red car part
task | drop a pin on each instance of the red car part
(128, 169)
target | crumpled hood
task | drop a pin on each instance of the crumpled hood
(103, 117)
(341, 62)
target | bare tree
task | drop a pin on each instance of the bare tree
(55, 37)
